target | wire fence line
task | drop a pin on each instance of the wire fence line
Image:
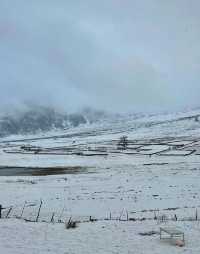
(37, 212)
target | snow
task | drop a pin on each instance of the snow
(19, 237)
(139, 181)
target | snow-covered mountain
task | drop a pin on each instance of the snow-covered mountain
(37, 119)
(43, 119)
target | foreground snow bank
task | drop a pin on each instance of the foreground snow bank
(19, 237)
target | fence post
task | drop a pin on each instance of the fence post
(39, 211)
(0, 211)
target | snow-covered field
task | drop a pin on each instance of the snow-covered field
(19, 237)
(81, 173)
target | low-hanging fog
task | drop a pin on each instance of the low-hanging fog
(116, 55)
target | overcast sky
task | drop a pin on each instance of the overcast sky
(109, 54)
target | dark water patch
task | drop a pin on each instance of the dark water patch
(40, 171)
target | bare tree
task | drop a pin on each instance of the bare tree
(123, 143)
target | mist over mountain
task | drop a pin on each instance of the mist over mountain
(42, 119)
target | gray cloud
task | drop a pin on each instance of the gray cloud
(109, 54)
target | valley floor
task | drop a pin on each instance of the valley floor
(83, 175)
(19, 237)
